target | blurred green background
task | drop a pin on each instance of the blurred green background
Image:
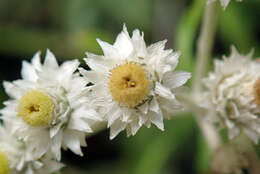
(69, 28)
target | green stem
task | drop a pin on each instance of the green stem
(205, 44)
(204, 49)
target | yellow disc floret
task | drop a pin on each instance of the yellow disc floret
(4, 166)
(36, 108)
(128, 84)
(257, 91)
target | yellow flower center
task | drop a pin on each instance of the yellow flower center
(128, 84)
(4, 166)
(257, 91)
(35, 108)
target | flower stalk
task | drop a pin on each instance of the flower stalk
(204, 50)
(205, 44)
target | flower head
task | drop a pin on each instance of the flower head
(232, 99)
(134, 84)
(14, 157)
(45, 107)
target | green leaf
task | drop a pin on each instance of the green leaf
(156, 154)
(186, 34)
(237, 27)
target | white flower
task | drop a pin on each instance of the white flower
(45, 107)
(224, 3)
(233, 96)
(15, 159)
(134, 84)
(11, 151)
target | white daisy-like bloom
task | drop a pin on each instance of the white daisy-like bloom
(45, 106)
(134, 85)
(224, 3)
(14, 158)
(233, 96)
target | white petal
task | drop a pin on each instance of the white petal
(92, 76)
(55, 129)
(12, 90)
(143, 118)
(87, 113)
(139, 44)
(169, 106)
(36, 61)
(157, 47)
(50, 60)
(144, 108)
(157, 119)
(109, 50)
(173, 59)
(37, 164)
(28, 72)
(154, 106)
(116, 128)
(29, 170)
(155, 114)
(56, 145)
(78, 123)
(68, 68)
(113, 115)
(123, 43)
(135, 126)
(24, 85)
(20, 164)
(52, 166)
(37, 146)
(163, 91)
(97, 65)
(72, 141)
(175, 79)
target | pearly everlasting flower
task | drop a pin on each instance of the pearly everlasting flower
(134, 85)
(45, 106)
(228, 159)
(14, 158)
(224, 3)
(233, 95)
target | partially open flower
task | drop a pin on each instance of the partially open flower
(134, 84)
(15, 159)
(232, 98)
(45, 107)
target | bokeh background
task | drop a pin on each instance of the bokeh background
(70, 27)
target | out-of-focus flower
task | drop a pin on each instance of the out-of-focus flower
(45, 107)
(233, 96)
(15, 159)
(226, 159)
(224, 3)
(134, 84)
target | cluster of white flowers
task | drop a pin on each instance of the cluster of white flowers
(54, 107)
(233, 96)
